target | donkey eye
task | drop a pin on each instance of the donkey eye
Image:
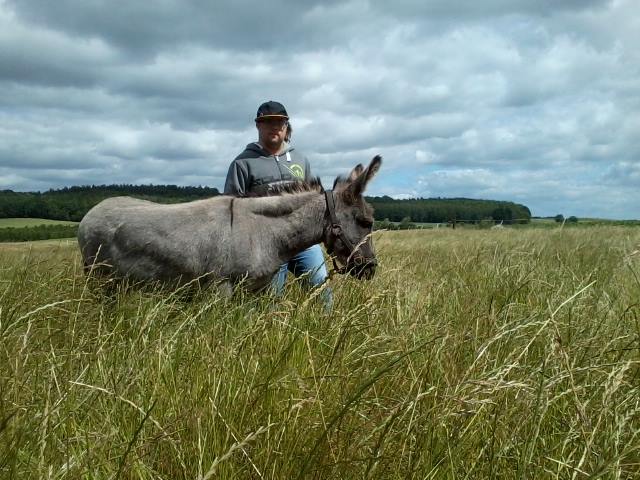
(365, 223)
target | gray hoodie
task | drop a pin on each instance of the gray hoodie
(256, 171)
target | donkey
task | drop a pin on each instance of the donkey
(232, 240)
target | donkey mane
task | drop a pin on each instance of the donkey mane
(296, 186)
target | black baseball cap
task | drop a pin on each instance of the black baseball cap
(271, 109)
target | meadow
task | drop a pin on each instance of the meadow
(510, 353)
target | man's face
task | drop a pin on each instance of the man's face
(272, 131)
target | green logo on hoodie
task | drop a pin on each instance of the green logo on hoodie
(296, 171)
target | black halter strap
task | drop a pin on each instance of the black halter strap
(336, 228)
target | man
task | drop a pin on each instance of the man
(269, 162)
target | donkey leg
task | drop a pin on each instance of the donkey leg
(225, 288)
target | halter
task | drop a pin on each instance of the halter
(336, 231)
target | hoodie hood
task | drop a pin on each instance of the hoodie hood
(256, 148)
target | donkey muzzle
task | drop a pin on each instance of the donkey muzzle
(362, 268)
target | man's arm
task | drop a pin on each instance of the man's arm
(237, 180)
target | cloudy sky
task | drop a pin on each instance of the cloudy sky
(536, 102)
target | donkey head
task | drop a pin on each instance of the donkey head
(348, 235)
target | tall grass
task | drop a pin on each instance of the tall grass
(472, 354)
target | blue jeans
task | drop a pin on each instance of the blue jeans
(311, 263)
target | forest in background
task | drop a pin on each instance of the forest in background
(72, 203)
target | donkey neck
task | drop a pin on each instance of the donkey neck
(297, 221)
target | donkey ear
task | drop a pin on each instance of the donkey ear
(359, 184)
(373, 168)
(344, 182)
(355, 173)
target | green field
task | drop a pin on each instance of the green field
(472, 354)
(31, 222)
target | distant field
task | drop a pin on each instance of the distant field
(38, 245)
(585, 222)
(31, 222)
(543, 220)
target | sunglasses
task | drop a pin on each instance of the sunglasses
(276, 122)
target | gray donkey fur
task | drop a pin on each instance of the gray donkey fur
(223, 238)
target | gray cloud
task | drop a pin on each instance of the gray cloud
(488, 9)
(143, 29)
(536, 102)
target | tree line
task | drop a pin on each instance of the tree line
(72, 203)
(449, 210)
